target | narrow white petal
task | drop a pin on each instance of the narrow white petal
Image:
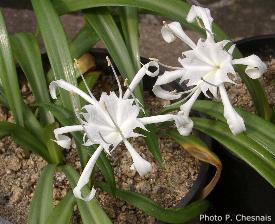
(69, 87)
(186, 107)
(202, 13)
(145, 70)
(169, 76)
(183, 123)
(63, 140)
(172, 30)
(164, 94)
(255, 66)
(141, 165)
(234, 120)
(157, 119)
(85, 177)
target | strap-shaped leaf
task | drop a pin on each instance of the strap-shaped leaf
(169, 215)
(175, 10)
(104, 25)
(56, 155)
(24, 138)
(56, 45)
(82, 43)
(200, 151)
(8, 75)
(129, 23)
(3, 98)
(41, 204)
(257, 128)
(241, 145)
(90, 212)
(63, 212)
(85, 39)
(27, 54)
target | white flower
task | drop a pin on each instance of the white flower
(206, 68)
(107, 123)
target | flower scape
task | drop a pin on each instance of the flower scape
(113, 118)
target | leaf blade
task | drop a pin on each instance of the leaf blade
(41, 205)
(56, 45)
(8, 75)
(27, 54)
(63, 212)
(243, 146)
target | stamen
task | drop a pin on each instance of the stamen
(103, 138)
(83, 79)
(208, 82)
(138, 103)
(164, 65)
(118, 83)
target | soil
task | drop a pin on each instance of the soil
(20, 172)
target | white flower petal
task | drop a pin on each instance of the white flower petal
(63, 140)
(85, 177)
(186, 107)
(255, 66)
(164, 94)
(202, 13)
(172, 30)
(169, 76)
(234, 120)
(145, 70)
(157, 119)
(69, 87)
(183, 123)
(141, 165)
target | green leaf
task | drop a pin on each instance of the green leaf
(41, 204)
(54, 150)
(56, 45)
(104, 25)
(129, 23)
(24, 138)
(82, 43)
(8, 75)
(198, 149)
(169, 215)
(27, 53)
(63, 212)
(241, 145)
(257, 128)
(90, 212)
(3, 98)
(174, 10)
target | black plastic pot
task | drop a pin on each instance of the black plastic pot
(199, 183)
(17, 4)
(241, 190)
